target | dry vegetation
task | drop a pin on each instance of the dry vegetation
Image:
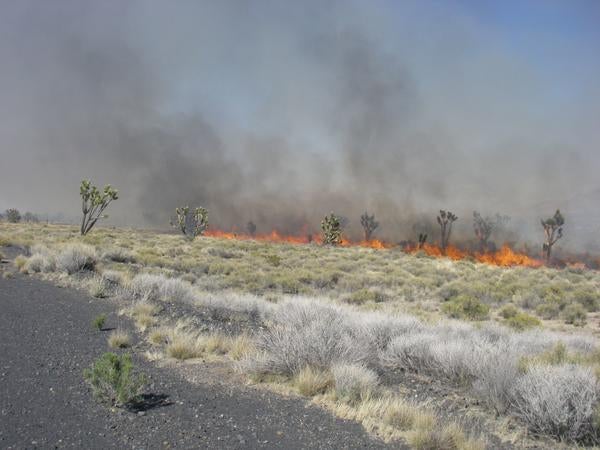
(349, 327)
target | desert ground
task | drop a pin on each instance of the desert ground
(250, 344)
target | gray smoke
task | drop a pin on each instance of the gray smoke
(280, 113)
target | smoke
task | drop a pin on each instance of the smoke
(280, 113)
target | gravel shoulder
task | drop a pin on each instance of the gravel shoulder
(46, 341)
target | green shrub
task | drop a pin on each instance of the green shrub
(366, 295)
(522, 321)
(548, 310)
(466, 307)
(274, 260)
(575, 314)
(99, 321)
(509, 311)
(112, 380)
(587, 296)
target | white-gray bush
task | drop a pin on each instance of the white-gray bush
(559, 401)
(75, 258)
(158, 287)
(307, 333)
(354, 382)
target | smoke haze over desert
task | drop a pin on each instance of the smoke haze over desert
(280, 112)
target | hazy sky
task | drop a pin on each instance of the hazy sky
(280, 111)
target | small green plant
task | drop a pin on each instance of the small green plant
(331, 230)
(191, 224)
(93, 204)
(99, 321)
(113, 381)
(466, 307)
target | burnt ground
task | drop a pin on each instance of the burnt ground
(46, 341)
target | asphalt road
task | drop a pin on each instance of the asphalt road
(45, 343)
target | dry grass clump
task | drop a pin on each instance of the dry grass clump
(97, 287)
(311, 382)
(241, 346)
(119, 339)
(182, 342)
(446, 437)
(144, 314)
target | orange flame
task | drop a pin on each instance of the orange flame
(505, 257)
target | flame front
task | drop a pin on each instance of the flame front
(505, 257)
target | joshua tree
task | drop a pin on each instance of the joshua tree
(13, 215)
(369, 225)
(251, 228)
(93, 203)
(445, 220)
(192, 224)
(422, 240)
(483, 227)
(553, 231)
(331, 229)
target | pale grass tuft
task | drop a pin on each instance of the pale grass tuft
(448, 437)
(182, 343)
(311, 382)
(144, 321)
(97, 287)
(159, 336)
(154, 355)
(241, 346)
(20, 262)
(216, 343)
(119, 339)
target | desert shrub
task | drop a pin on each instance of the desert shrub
(522, 321)
(98, 322)
(354, 382)
(75, 258)
(366, 295)
(40, 263)
(587, 296)
(306, 333)
(466, 307)
(158, 287)
(557, 400)
(113, 381)
(273, 260)
(311, 382)
(118, 254)
(575, 314)
(119, 339)
(509, 311)
(548, 310)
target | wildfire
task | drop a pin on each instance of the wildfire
(505, 257)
